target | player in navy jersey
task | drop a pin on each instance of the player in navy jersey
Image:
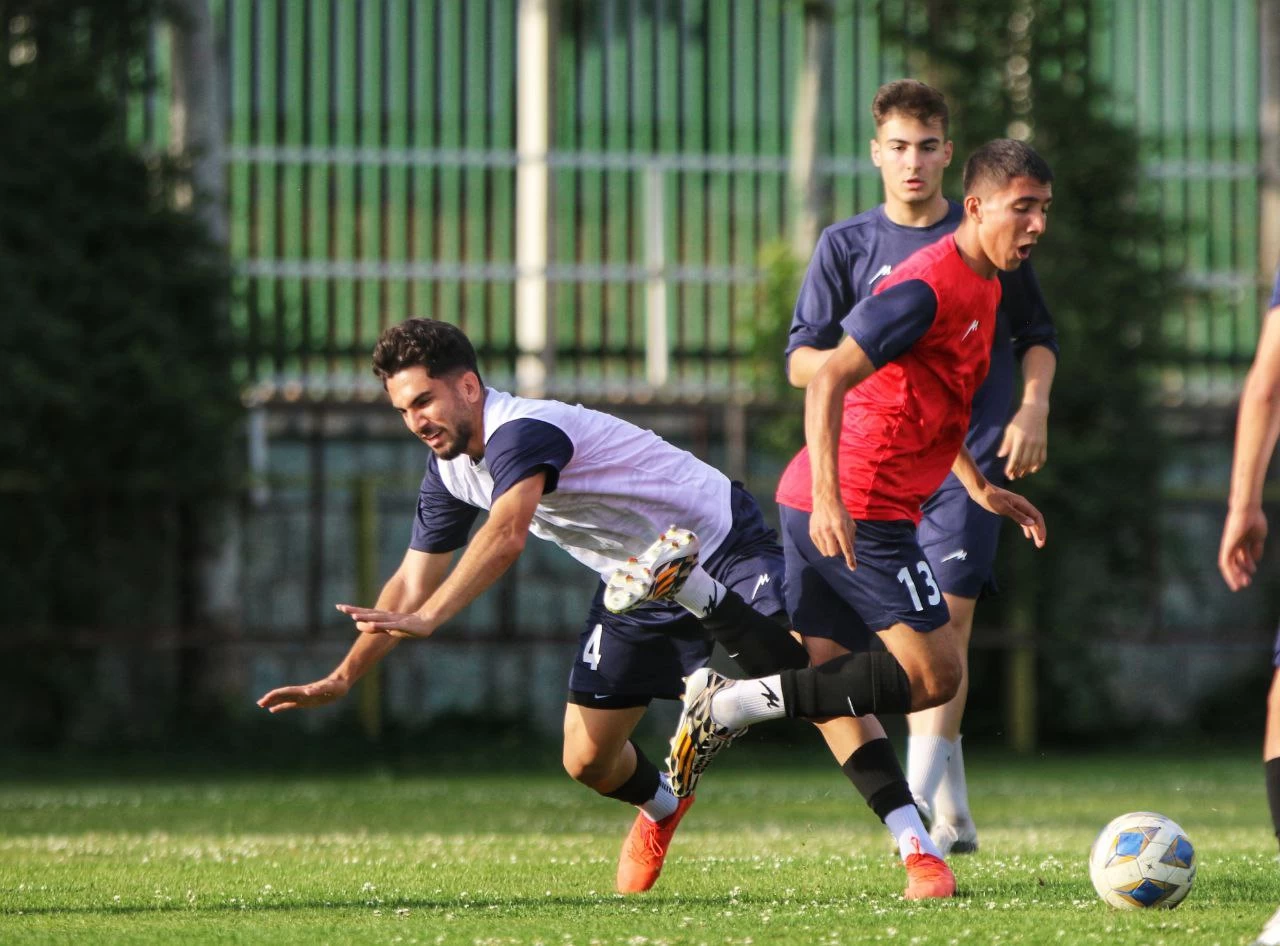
(1245, 530)
(598, 487)
(959, 538)
(885, 419)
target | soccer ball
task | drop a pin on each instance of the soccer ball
(1141, 860)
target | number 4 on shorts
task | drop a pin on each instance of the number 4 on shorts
(591, 653)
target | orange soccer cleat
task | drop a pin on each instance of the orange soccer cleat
(645, 849)
(928, 877)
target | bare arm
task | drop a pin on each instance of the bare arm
(419, 574)
(1026, 437)
(491, 551)
(830, 525)
(1002, 502)
(804, 363)
(1257, 429)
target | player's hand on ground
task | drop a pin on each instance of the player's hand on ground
(374, 621)
(1005, 503)
(1243, 537)
(1026, 441)
(306, 696)
(832, 530)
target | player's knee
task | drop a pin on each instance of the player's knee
(585, 764)
(936, 682)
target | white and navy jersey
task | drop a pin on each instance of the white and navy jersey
(851, 259)
(611, 487)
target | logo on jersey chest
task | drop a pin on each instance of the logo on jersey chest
(973, 327)
(882, 271)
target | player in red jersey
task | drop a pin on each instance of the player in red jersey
(885, 420)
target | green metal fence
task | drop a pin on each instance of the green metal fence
(372, 169)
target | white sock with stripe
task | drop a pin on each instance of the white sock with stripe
(749, 701)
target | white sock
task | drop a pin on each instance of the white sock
(663, 803)
(927, 759)
(905, 825)
(953, 793)
(749, 701)
(700, 593)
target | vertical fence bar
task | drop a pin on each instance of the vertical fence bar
(657, 359)
(1269, 128)
(533, 134)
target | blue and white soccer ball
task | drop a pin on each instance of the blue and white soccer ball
(1142, 860)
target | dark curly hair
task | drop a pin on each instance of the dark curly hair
(442, 349)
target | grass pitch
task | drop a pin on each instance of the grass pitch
(776, 850)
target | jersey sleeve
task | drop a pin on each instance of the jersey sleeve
(888, 323)
(825, 297)
(443, 521)
(520, 448)
(1030, 322)
(1275, 292)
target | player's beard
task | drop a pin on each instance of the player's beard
(456, 444)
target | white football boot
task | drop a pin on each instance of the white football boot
(656, 574)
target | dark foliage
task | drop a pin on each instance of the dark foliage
(117, 401)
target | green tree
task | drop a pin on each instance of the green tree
(118, 404)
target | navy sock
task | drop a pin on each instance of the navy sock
(760, 645)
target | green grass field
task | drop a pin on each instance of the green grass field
(777, 850)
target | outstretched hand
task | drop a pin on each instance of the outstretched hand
(393, 623)
(1009, 504)
(305, 696)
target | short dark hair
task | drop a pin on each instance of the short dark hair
(1001, 160)
(912, 98)
(442, 349)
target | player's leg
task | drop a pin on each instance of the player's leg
(623, 662)
(1271, 742)
(935, 768)
(960, 540)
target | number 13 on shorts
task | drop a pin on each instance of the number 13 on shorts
(904, 576)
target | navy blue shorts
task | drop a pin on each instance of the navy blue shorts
(893, 583)
(628, 659)
(959, 539)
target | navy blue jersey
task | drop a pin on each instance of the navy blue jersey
(1275, 291)
(855, 254)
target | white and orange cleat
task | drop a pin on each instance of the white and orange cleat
(657, 574)
(645, 849)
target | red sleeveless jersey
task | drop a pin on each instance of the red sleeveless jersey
(904, 425)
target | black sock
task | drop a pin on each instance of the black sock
(876, 773)
(759, 644)
(642, 785)
(853, 684)
(1272, 767)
